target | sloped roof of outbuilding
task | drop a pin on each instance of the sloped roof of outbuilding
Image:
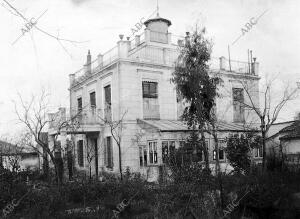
(181, 126)
(292, 131)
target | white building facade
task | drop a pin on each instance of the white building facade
(131, 82)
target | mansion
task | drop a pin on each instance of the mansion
(129, 88)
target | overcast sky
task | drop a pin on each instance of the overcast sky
(37, 60)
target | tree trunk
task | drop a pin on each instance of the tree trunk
(90, 171)
(59, 167)
(45, 164)
(120, 160)
(263, 135)
(205, 150)
(217, 167)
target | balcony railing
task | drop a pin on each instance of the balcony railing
(90, 116)
(151, 111)
(232, 66)
(155, 55)
(96, 65)
(137, 50)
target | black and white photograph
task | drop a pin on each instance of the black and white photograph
(150, 109)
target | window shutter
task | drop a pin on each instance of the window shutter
(93, 99)
(79, 104)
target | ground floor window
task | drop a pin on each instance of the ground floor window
(143, 155)
(168, 150)
(191, 153)
(108, 153)
(221, 154)
(152, 152)
(258, 152)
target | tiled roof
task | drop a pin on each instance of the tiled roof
(176, 125)
(295, 125)
(291, 131)
(6, 147)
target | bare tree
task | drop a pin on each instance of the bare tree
(35, 116)
(116, 129)
(268, 111)
(90, 155)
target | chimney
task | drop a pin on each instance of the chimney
(88, 65)
(254, 67)
(222, 63)
(123, 47)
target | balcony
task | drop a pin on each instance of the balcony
(95, 66)
(89, 116)
(156, 55)
(233, 66)
(151, 111)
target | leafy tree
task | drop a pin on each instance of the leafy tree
(194, 84)
(239, 149)
(187, 154)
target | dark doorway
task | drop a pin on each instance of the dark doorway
(96, 158)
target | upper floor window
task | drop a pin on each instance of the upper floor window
(107, 103)
(149, 89)
(238, 104)
(79, 104)
(107, 95)
(150, 100)
(93, 99)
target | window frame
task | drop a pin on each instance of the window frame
(93, 98)
(223, 152)
(258, 152)
(109, 153)
(238, 107)
(80, 153)
(143, 155)
(105, 94)
(146, 90)
(164, 157)
(79, 109)
(153, 157)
